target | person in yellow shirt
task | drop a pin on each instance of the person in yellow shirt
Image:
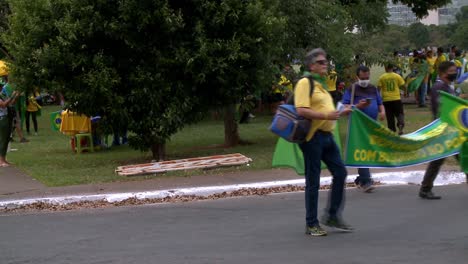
(320, 145)
(32, 109)
(332, 77)
(441, 57)
(280, 91)
(389, 85)
(431, 60)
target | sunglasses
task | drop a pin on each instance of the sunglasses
(322, 62)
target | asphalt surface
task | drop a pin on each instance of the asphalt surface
(392, 226)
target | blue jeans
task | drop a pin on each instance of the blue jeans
(323, 147)
(422, 94)
(364, 176)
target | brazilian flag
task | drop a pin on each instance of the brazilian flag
(289, 154)
(454, 111)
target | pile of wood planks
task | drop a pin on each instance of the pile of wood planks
(184, 164)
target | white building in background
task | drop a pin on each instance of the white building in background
(402, 15)
(448, 12)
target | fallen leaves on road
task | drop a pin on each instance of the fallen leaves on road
(39, 206)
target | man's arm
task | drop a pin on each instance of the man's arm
(381, 112)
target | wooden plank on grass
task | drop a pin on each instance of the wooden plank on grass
(184, 164)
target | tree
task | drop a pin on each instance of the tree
(439, 36)
(460, 29)
(232, 45)
(118, 59)
(418, 35)
(154, 65)
(4, 13)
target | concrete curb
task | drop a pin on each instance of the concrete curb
(389, 178)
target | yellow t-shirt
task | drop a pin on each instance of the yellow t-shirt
(320, 101)
(285, 82)
(389, 85)
(33, 106)
(440, 59)
(431, 62)
(331, 81)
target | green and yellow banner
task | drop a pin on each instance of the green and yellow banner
(370, 144)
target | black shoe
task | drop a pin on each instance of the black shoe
(428, 195)
(337, 223)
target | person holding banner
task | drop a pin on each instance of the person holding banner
(447, 74)
(389, 84)
(370, 102)
(319, 145)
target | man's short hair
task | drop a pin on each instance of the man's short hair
(362, 68)
(458, 53)
(440, 49)
(312, 56)
(389, 66)
(444, 66)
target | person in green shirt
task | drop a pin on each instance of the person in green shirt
(5, 125)
(16, 111)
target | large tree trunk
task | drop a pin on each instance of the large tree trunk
(231, 132)
(159, 151)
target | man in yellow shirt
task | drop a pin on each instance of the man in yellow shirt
(431, 60)
(389, 84)
(32, 109)
(441, 57)
(320, 145)
(331, 83)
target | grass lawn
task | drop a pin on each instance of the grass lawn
(49, 159)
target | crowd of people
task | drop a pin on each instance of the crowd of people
(383, 101)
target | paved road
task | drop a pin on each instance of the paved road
(393, 226)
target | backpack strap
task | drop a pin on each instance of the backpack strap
(353, 90)
(311, 85)
(290, 100)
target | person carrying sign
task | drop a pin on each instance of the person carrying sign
(447, 74)
(370, 102)
(320, 145)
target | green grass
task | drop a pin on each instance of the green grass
(49, 159)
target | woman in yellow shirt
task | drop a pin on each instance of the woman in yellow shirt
(32, 109)
(431, 60)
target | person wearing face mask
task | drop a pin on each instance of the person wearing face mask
(389, 84)
(447, 74)
(366, 98)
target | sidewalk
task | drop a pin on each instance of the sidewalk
(14, 182)
(15, 185)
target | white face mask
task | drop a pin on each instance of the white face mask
(363, 83)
